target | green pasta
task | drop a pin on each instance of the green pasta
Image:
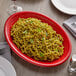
(36, 39)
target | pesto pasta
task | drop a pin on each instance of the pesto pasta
(36, 39)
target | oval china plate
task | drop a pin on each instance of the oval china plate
(6, 68)
(26, 14)
(66, 6)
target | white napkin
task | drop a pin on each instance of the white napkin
(5, 51)
(70, 24)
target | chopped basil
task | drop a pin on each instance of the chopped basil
(26, 21)
(56, 50)
(31, 40)
(41, 54)
(43, 38)
(31, 21)
(25, 32)
(39, 30)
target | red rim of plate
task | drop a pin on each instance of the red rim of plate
(28, 59)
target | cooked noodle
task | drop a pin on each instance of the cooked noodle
(37, 39)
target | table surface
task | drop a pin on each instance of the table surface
(45, 7)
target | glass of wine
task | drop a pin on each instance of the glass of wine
(14, 8)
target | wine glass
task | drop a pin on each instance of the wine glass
(14, 8)
(72, 65)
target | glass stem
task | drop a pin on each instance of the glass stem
(14, 3)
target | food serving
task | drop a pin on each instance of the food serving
(37, 39)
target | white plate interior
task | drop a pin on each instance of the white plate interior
(6, 68)
(66, 6)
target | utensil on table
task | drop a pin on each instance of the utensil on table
(70, 24)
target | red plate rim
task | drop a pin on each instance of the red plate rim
(24, 57)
